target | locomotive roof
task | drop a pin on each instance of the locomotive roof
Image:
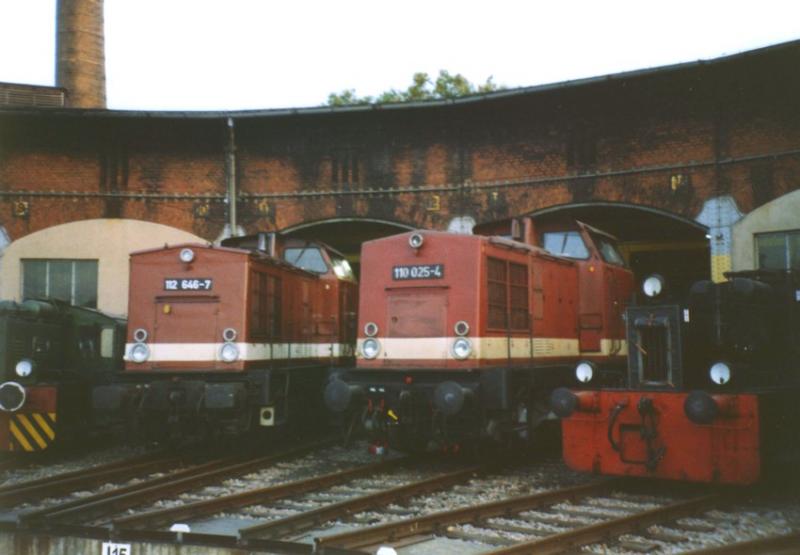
(261, 256)
(189, 245)
(62, 308)
(494, 239)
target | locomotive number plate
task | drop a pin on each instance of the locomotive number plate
(194, 284)
(418, 271)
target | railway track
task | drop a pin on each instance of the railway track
(416, 505)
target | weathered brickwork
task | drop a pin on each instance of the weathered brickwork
(668, 139)
(80, 45)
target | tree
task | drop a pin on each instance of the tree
(446, 86)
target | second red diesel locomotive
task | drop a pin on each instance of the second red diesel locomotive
(463, 337)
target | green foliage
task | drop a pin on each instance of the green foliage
(446, 86)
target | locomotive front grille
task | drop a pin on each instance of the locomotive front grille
(654, 352)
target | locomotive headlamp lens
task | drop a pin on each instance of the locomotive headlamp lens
(653, 285)
(720, 373)
(462, 348)
(416, 240)
(140, 353)
(584, 372)
(24, 368)
(229, 334)
(140, 335)
(12, 396)
(229, 352)
(461, 328)
(371, 348)
(187, 255)
(370, 329)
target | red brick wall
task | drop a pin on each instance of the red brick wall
(668, 139)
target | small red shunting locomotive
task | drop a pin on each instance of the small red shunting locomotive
(711, 391)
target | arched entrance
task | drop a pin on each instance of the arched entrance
(652, 240)
(347, 234)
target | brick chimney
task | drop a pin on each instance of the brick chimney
(80, 51)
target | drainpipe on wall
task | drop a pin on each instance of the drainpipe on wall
(231, 228)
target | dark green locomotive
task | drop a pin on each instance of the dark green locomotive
(51, 354)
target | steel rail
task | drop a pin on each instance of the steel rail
(558, 543)
(391, 531)
(30, 516)
(59, 485)
(786, 544)
(250, 497)
(103, 504)
(308, 519)
(63, 475)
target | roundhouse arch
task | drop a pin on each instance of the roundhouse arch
(347, 234)
(107, 242)
(652, 239)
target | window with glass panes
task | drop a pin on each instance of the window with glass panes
(72, 281)
(779, 250)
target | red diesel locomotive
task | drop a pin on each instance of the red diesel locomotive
(464, 336)
(712, 387)
(227, 340)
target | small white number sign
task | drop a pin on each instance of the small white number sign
(116, 548)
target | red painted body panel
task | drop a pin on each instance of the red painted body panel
(569, 302)
(725, 451)
(310, 308)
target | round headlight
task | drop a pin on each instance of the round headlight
(653, 285)
(462, 348)
(584, 372)
(461, 328)
(24, 368)
(720, 373)
(140, 353)
(229, 334)
(370, 348)
(229, 352)
(187, 255)
(12, 396)
(370, 329)
(416, 240)
(140, 335)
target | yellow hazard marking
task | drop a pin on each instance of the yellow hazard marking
(391, 413)
(20, 437)
(44, 426)
(32, 431)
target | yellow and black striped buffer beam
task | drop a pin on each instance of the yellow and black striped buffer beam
(32, 431)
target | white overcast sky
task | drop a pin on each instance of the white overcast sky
(242, 54)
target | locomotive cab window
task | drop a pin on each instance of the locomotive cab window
(306, 258)
(608, 250)
(565, 243)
